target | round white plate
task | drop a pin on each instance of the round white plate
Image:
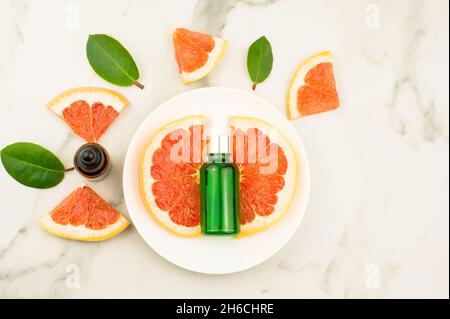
(214, 255)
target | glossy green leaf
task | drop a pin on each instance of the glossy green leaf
(32, 165)
(259, 60)
(112, 61)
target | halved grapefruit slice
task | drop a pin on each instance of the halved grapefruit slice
(170, 185)
(196, 53)
(312, 88)
(89, 111)
(84, 215)
(268, 173)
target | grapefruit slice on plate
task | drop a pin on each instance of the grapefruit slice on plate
(88, 111)
(196, 53)
(170, 186)
(312, 88)
(84, 215)
(268, 173)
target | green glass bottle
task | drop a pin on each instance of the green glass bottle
(219, 189)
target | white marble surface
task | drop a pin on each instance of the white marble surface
(379, 163)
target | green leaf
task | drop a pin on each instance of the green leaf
(32, 165)
(111, 60)
(259, 60)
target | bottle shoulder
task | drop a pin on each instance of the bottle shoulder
(212, 166)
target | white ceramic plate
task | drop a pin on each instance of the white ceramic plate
(214, 255)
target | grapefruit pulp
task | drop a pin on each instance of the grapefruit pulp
(170, 187)
(88, 111)
(84, 215)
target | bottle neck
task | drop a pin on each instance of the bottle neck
(219, 157)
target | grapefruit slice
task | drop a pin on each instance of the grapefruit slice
(89, 111)
(170, 184)
(268, 173)
(312, 88)
(196, 53)
(84, 215)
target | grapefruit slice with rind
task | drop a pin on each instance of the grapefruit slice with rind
(170, 186)
(196, 53)
(89, 111)
(312, 88)
(268, 173)
(84, 215)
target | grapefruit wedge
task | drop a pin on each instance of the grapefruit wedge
(170, 185)
(84, 215)
(196, 53)
(312, 88)
(89, 111)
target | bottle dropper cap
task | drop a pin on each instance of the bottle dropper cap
(219, 141)
(219, 144)
(92, 161)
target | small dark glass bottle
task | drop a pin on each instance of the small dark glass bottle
(219, 189)
(92, 161)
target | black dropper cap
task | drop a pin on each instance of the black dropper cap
(92, 161)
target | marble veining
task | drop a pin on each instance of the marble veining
(211, 15)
